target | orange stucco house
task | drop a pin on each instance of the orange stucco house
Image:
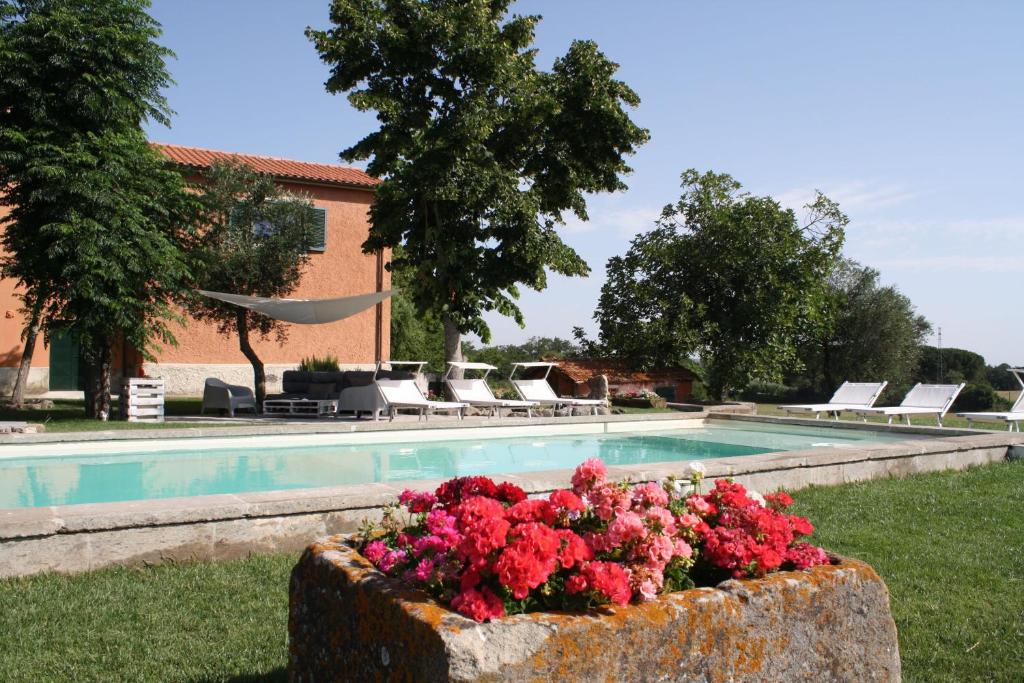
(338, 267)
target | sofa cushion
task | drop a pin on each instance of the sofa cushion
(321, 390)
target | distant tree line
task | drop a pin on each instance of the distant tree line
(759, 303)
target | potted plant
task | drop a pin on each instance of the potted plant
(476, 581)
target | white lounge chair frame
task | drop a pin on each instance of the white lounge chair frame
(476, 393)
(923, 399)
(1013, 417)
(540, 390)
(849, 396)
(401, 394)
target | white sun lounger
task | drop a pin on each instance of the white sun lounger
(540, 390)
(1013, 417)
(849, 396)
(405, 394)
(476, 393)
(923, 399)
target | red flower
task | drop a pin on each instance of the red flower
(609, 579)
(454, 491)
(479, 605)
(566, 500)
(804, 555)
(417, 501)
(531, 510)
(529, 559)
(510, 493)
(778, 500)
(574, 549)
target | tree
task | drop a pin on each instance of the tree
(1001, 379)
(97, 217)
(874, 333)
(729, 276)
(951, 366)
(253, 239)
(480, 152)
(415, 335)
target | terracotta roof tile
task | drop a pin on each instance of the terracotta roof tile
(330, 174)
(618, 371)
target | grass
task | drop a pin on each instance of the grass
(950, 420)
(68, 415)
(949, 545)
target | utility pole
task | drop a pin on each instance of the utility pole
(942, 372)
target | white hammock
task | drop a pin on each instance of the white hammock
(303, 311)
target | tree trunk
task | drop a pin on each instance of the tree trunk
(97, 385)
(31, 332)
(452, 350)
(258, 374)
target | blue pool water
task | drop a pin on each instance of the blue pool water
(65, 480)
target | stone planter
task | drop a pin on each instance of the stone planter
(655, 402)
(349, 622)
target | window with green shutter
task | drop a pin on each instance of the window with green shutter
(318, 241)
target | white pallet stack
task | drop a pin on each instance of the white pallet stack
(142, 400)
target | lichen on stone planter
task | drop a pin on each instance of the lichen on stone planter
(347, 621)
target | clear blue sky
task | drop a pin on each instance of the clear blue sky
(909, 114)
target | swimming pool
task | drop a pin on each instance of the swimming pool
(167, 470)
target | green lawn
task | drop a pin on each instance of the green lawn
(950, 547)
(950, 420)
(69, 416)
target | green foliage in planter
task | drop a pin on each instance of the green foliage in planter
(317, 364)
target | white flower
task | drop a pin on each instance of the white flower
(697, 470)
(755, 496)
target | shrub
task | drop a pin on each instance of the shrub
(980, 397)
(770, 392)
(318, 364)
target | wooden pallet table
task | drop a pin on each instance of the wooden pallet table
(142, 400)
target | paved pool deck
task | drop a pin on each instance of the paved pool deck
(77, 538)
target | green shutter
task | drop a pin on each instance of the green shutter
(318, 241)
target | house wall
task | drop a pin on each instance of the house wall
(340, 270)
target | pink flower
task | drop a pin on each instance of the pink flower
(390, 559)
(588, 474)
(700, 506)
(656, 551)
(661, 520)
(609, 500)
(688, 520)
(375, 550)
(649, 494)
(682, 549)
(432, 544)
(625, 528)
(423, 571)
(647, 590)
